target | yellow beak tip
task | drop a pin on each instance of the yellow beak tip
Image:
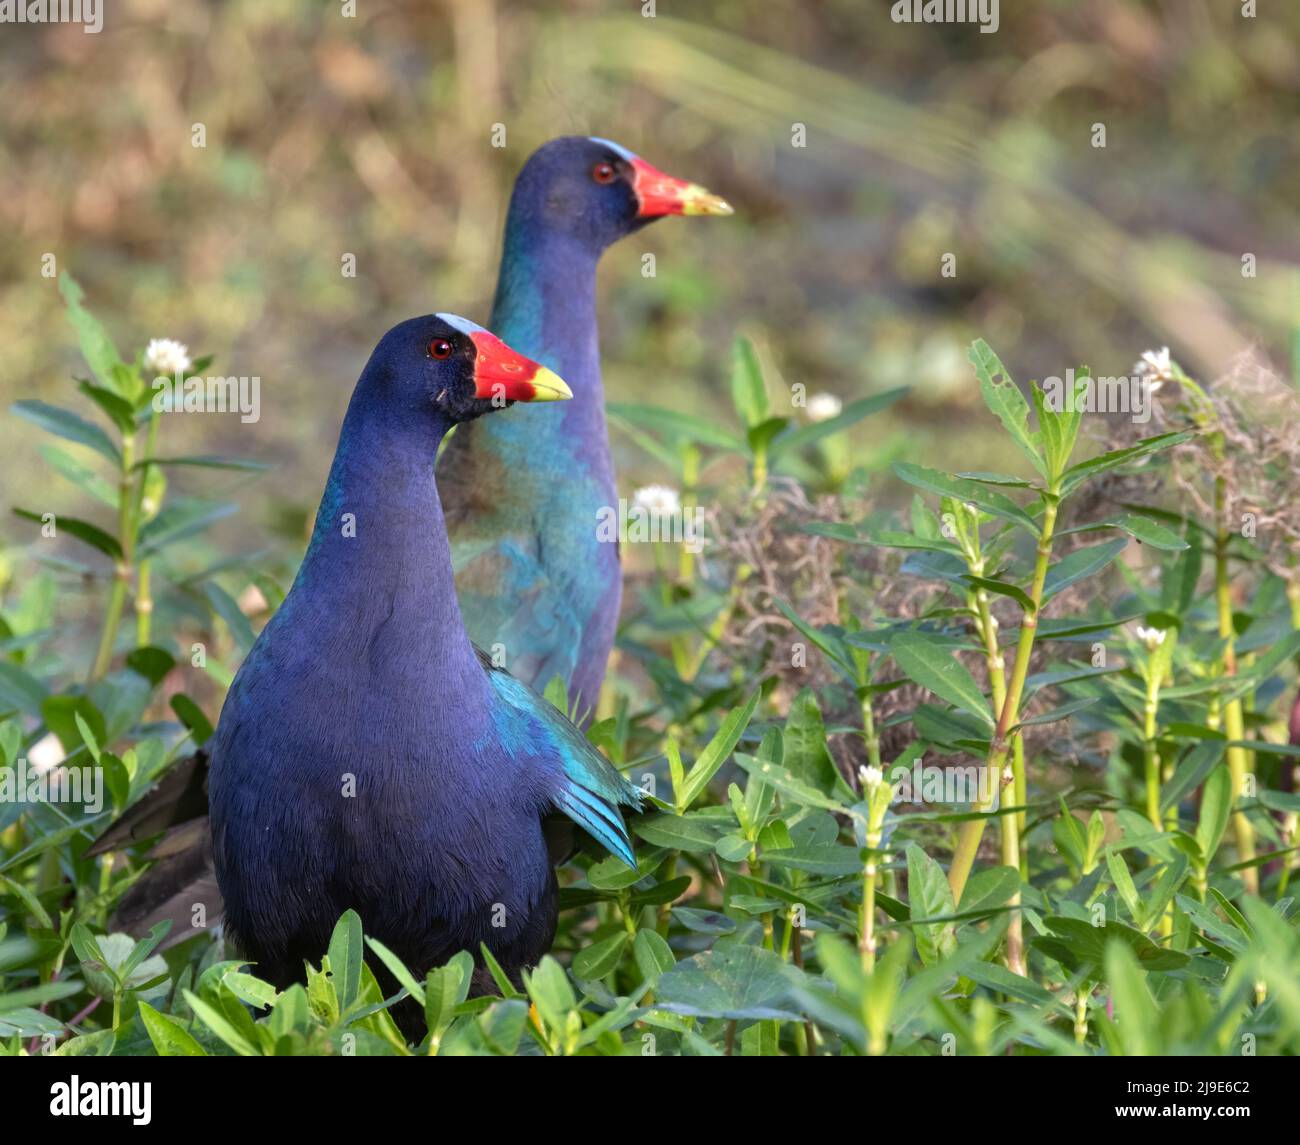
(706, 203)
(548, 386)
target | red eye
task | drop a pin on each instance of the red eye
(604, 173)
(440, 348)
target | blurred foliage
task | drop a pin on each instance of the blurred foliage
(371, 136)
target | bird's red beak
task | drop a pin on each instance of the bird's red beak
(504, 374)
(659, 194)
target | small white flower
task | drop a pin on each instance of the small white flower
(1151, 637)
(657, 500)
(823, 407)
(1155, 367)
(164, 357)
(46, 753)
(871, 777)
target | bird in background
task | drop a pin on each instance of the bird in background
(368, 756)
(522, 492)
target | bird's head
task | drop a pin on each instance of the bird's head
(598, 191)
(450, 367)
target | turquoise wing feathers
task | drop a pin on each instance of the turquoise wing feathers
(590, 790)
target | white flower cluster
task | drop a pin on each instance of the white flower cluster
(1155, 367)
(165, 357)
(1151, 637)
(657, 500)
(823, 407)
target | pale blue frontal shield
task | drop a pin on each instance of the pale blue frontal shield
(614, 147)
(464, 325)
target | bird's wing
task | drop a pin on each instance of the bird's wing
(591, 789)
(506, 597)
(179, 797)
(182, 876)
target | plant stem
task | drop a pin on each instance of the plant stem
(143, 593)
(1010, 827)
(968, 839)
(867, 942)
(122, 572)
(1233, 716)
(690, 479)
(1150, 752)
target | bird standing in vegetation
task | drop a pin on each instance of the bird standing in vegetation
(368, 756)
(522, 494)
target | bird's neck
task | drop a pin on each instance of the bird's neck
(545, 307)
(376, 582)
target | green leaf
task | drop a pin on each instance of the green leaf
(854, 412)
(551, 992)
(829, 859)
(804, 749)
(151, 662)
(654, 957)
(1004, 399)
(68, 425)
(249, 989)
(1079, 564)
(1056, 714)
(883, 988)
(1216, 807)
(169, 1037)
(737, 982)
(677, 833)
(594, 962)
(82, 476)
(930, 897)
(180, 519)
(748, 390)
(793, 789)
(935, 668)
(1136, 1015)
(119, 411)
(1059, 415)
(397, 968)
(88, 737)
(191, 715)
(988, 889)
(760, 436)
(1002, 588)
(20, 691)
(346, 953)
(946, 485)
(209, 461)
(716, 752)
(1143, 529)
(96, 343)
(557, 693)
(677, 425)
(82, 530)
(1077, 474)
(446, 988)
(1087, 943)
(220, 1025)
(1123, 880)
(827, 643)
(1191, 773)
(226, 607)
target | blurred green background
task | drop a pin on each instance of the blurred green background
(372, 136)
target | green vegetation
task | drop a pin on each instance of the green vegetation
(1065, 629)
